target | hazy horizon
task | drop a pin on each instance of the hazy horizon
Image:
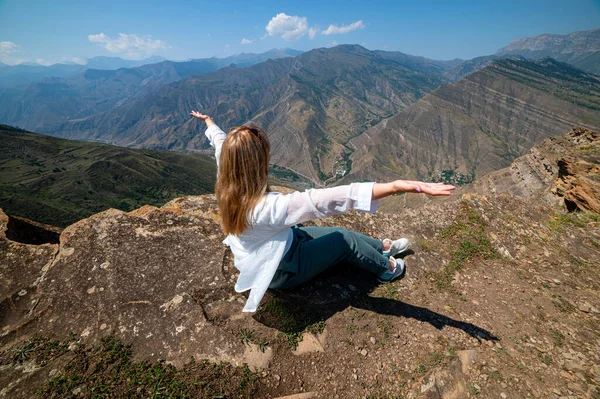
(69, 31)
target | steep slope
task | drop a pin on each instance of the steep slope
(310, 105)
(480, 123)
(500, 299)
(580, 49)
(58, 181)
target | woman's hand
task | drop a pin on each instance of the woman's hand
(209, 121)
(433, 189)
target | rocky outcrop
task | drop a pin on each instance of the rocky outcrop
(578, 179)
(21, 266)
(561, 171)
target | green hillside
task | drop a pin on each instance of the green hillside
(59, 181)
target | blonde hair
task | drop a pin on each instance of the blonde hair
(243, 176)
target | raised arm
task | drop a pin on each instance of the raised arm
(214, 134)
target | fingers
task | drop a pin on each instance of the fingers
(197, 114)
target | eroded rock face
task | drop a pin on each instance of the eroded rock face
(559, 170)
(578, 180)
(21, 267)
(137, 276)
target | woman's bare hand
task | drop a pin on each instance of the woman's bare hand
(202, 117)
(433, 189)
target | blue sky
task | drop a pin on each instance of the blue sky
(59, 30)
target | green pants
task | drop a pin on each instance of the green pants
(316, 249)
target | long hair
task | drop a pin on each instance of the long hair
(243, 176)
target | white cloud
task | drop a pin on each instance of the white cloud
(288, 27)
(312, 32)
(263, 37)
(334, 43)
(43, 62)
(7, 50)
(338, 30)
(99, 38)
(246, 41)
(227, 46)
(78, 60)
(129, 45)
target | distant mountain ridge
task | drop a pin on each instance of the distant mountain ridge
(310, 105)
(575, 42)
(478, 124)
(24, 74)
(44, 105)
(580, 49)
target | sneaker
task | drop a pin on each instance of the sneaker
(397, 247)
(398, 273)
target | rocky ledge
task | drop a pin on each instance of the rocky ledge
(500, 298)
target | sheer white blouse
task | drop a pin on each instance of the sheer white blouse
(258, 250)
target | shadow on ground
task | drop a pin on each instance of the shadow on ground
(294, 310)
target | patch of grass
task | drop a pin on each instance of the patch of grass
(262, 344)
(351, 327)
(318, 327)
(386, 327)
(106, 370)
(495, 375)
(37, 349)
(594, 243)
(291, 338)
(519, 366)
(470, 242)
(547, 360)
(424, 245)
(290, 320)
(474, 390)
(562, 304)
(469, 249)
(562, 220)
(558, 337)
(246, 336)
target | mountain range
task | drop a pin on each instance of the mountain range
(580, 49)
(310, 105)
(478, 124)
(22, 74)
(313, 104)
(29, 72)
(43, 105)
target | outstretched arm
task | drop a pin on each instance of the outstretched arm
(318, 203)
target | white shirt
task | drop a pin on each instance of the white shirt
(258, 250)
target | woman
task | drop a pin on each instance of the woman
(268, 249)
